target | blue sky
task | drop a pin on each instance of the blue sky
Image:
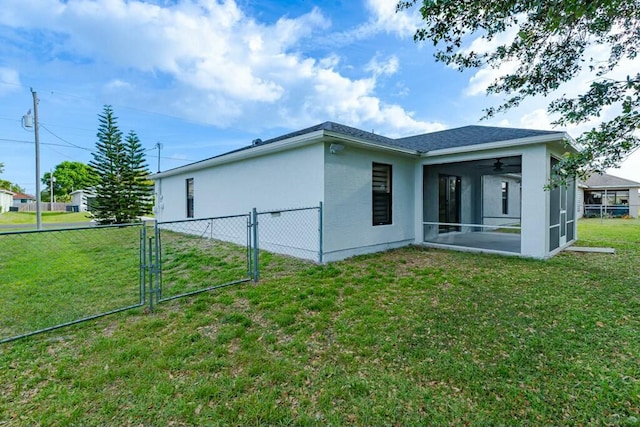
(203, 77)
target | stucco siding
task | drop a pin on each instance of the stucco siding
(348, 225)
(6, 200)
(492, 202)
(289, 179)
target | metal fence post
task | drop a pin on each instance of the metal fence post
(249, 246)
(158, 262)
(256, 263)
(320, 242)
(150, 269)
(143, 264)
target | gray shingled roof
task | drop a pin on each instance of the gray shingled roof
(605, 180)
(465, 136)
(337, 128)
(450, 138)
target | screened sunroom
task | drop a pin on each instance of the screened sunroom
(474, 204)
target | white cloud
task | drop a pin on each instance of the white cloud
(209, 62)
(383, 18)
(484, 77)
(387, 67)
(118, 84)
(9, 80)
(536, 119)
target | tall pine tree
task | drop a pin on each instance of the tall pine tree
(123, 193)
(139, 188)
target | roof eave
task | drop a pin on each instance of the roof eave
(259, 150)
(370, 144)
(611, 187)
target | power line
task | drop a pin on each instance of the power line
(10, 141)
(64, 140)
(84, 98)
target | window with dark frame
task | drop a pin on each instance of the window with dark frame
(505, 197)
(189, 197)
(381, 194)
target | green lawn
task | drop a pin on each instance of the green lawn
(53, 277)
(47, 217)
(409, 337)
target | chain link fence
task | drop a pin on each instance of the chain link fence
(203, 254)
(293, 232)
(54, 278)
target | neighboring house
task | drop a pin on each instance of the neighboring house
(471, 188)
(82, 199)
(608, 195)
(6, 200)
(20, 199)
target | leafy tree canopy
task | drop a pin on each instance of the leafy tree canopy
(8, 185)
(553, 42)
(70, 176)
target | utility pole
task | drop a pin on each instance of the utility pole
(52, 181)
(36, 131)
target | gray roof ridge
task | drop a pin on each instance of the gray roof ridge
(447, 138)
(609, 181)
(443, 131)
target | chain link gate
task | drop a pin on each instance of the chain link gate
(184, 258)
(79, 274)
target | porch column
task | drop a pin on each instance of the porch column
(418, 198)
(633, 202)
(535, 202)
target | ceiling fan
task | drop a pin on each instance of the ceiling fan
(499, 165)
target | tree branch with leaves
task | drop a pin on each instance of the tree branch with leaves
(550, 48)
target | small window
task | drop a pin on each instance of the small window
(381, 192)
(505, 197)
(189, 197)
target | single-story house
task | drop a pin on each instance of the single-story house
(82, 199)
(6, 200)
(20, 199)
(472, 188)
(608, 195)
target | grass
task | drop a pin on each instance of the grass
(47, 217)
(55, 277)
(411, 336)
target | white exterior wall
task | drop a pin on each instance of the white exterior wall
(348, 203)
(284, 180)
(79, 198)
(287, 179)
(6, 201)
(535, 202)
(492, 200)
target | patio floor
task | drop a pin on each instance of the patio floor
(494, 241)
